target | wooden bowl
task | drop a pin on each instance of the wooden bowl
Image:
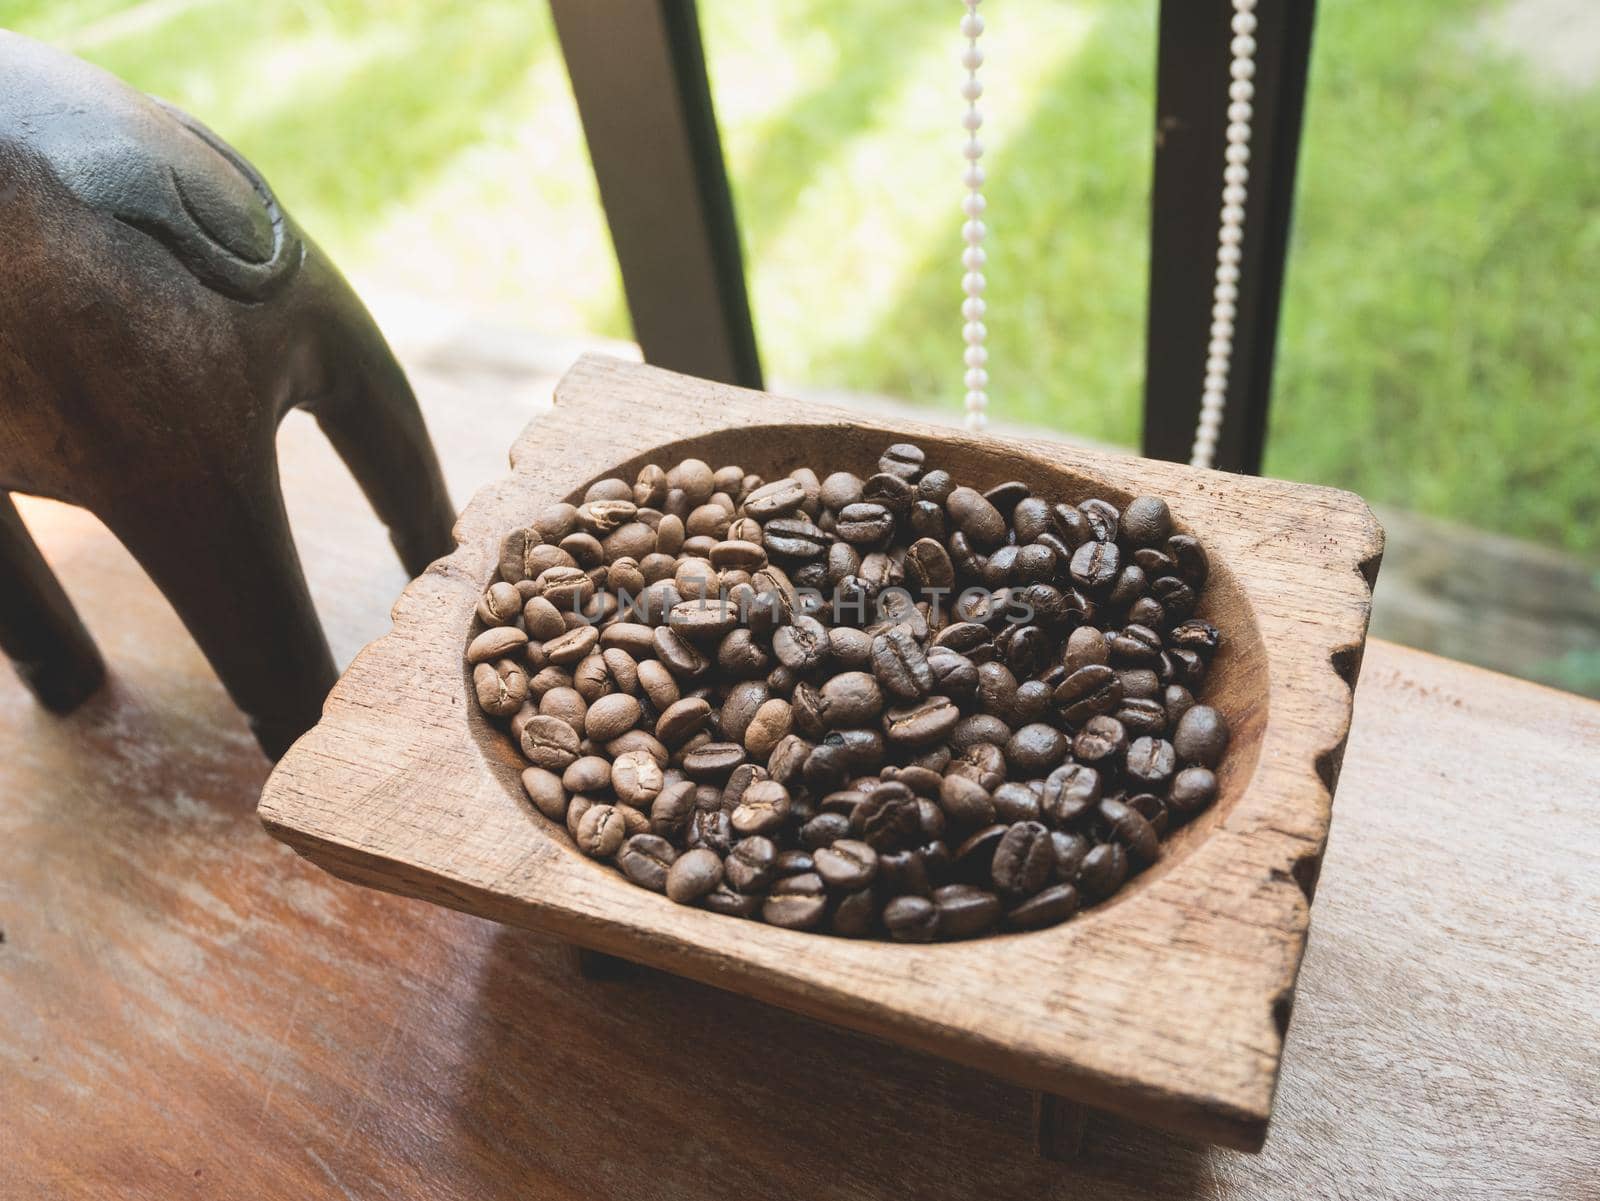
(1167, 1004)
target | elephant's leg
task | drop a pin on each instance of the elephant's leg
(40, 631)
(222, 554)
(372, 419)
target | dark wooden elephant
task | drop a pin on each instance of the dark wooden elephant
(159, 314)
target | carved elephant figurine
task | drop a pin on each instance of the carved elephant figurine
(159, 314)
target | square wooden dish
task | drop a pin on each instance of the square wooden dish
(1167, 1004)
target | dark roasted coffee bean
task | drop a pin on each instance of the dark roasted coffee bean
(826, 767)
(890, 491)
(927, 565)
(1184, 667)
(1088, 691)
(794, 538)
(953, 674)
(1005, 497)
(1177, 598)
(997, 689)
(847, 865)
(927, 520)
(1151, 762)
(1147, 611)
(672, 810)
(1130, 828)
(965, 910)
(863, 748)
(763, 809)
(1100, 743)
(693, 874)
(967, 638)
(1015, 802)
(1032, 701)
(777, 499)
(887, 818)
(713, 761)
(752, 864)
(1035, 749)
(976, 517)
(911, 919)
(1191, 559)
(731, 903)
(1153, 809)
(921, 780)
(1139, 682)
(1102, 872)
(973, 861)
(802, 646)
(921, 724)
(711, 829)
(1195, 635)
(1027, 649)
(966, 802)
(902, 459)
(1036, 564)
(900, 665)
(904, 872)
(1095, 565)
(1070, 850)
(1141, 716)
(1201, 737)
(935, 486)
(852, 698)
(854, 914)
(840, 489)
(1192, 790)
(1146, 521)
(1050, 907)
(977, 729)
(645, 859)
(679, 654)
(824, 829)
(1023, 859)
(864, 524)
(1135, 645)
(984, 763)
(1070, 793)
(1102, 517)
(805, 711)
(796, 902)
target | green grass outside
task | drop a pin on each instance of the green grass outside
(1441, 329)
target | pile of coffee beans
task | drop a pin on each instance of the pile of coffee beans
(884, 707)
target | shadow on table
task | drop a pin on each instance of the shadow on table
(652, 1085)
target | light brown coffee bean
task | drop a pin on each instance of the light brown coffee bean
(636, 778)
(693, 874)
(611, 716)
(601, 831)
(545, 790)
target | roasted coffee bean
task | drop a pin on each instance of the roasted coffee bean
(887, 818)
(739, 782)
(921, 724)
(1130, 828)
(796, 902)
(977, 729)
(1013, 802)
(712, 830)
(498, 642)
(611, 716)
(1095, 565)
(1005, 497)
(1177, 598)
(636, 778)
(1139, 682)
(1035, 749)
(966, 802)
(1153, 809)
(900, 665)
(902, 459)
(864, 524)
(1135, 645)
(955, 675)
(1088, 691)
(911, 919)
(1141, 716)
(1023, 859)
(545, 790)
(890, 491)
(713, 760)
(927, 565)
(693, 874)
(983, 762)
(1050, 907)
(501, 687)
(1201, 737)
(1195, 635)
(672, 810)
(824, 830)
(1102, 517)
(777, 499)
(850, 699)
(752, 864)
(1146, 521)
(965, 911)
(763, 809)
(550, 743)
(682, 719)
(1102, 872)
(976, 517)
(731, 903)
(846, 865)
(803, 645)
(1151, 762)
(973, 861)
(1070, 793)
(794, 538)
(1101, 742)
(646, 859)
(679, 654)
(601, 831)
(1070, 849)
(1192, 790)
(840, 489)
(590, 773)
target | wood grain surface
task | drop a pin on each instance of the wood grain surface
(191, 1011)
(405, 786)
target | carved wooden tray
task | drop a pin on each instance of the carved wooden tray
(1167, 1004)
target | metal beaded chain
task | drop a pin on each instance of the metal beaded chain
(973, 331)
(1230, 233)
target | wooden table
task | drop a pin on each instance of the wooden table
(188, 1010)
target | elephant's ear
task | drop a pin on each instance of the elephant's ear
(223, 225)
